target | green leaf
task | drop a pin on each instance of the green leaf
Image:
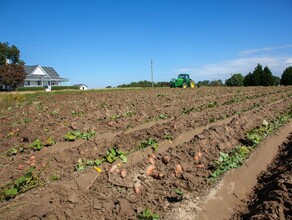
(109, 159)
(98, 162)
(10, 192)
(123, 158)
(90, 162)
(20, 181)
(79, 167)
(178, 192)
(155, 216)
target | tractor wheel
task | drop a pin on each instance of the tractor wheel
(192, 84)
(184, 85)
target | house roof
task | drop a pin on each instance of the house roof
(51, 73)
(80, 85)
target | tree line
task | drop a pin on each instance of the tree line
(145, 83)
(259, 77)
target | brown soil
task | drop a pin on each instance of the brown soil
(272, 196)
(183, 122)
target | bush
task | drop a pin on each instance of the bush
(65, 87)
(39, 88)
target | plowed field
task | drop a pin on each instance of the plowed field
(112, 154)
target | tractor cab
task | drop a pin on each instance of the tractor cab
(185, 77)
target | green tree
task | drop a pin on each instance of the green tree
(248, 79)
(11, 76)
(256, 75)
(12, 73)
(259, 77)
(266, 77)
(235, 80)
(204, 83)
(276, 80)
(216, 83)
(11, 53)
(286, 78)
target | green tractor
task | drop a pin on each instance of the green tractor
(182, 81)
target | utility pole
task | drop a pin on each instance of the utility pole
(152, 73)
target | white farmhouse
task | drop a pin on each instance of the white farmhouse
(42, 76)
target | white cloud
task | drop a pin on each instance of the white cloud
(244, 65)
(265, 49)
(288, 61)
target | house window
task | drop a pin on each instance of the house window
(39, 83)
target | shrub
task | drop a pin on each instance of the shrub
(64, 87)
(39, 88)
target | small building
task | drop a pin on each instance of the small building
(82, 86)
(42, 76)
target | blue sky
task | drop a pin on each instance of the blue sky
(111, 42)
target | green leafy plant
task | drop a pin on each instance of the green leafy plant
(26, 120)
(129, 114)
(126, 114)
(186, 111)
(28, 181)
(54, 177)
(73, 135)
(168, 137)
(113, 154)
(211, 120)
(36, 145)
(98, 162)
(178, 192)
(230, 160)
(236, 156)
(70, 136)
(49, 142)
(14, 150)
(79, 166)
(212, 104)
(232, 100)
(52, 113)
(146, 214)
(163, 116)
(87, 135)
(77, 113)
(149, 143)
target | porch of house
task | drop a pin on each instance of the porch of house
(46, 82)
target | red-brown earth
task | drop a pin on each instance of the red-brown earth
(184, 123)
(272, 196)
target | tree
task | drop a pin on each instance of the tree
(144, 83)
(259, 77)
(266, 77)
(248, 79)
(286, 78)
(11, 53)
(256, 75)
(204, 83)
(235, 80)
(216, 83)
(276, 80)
(11, 75)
